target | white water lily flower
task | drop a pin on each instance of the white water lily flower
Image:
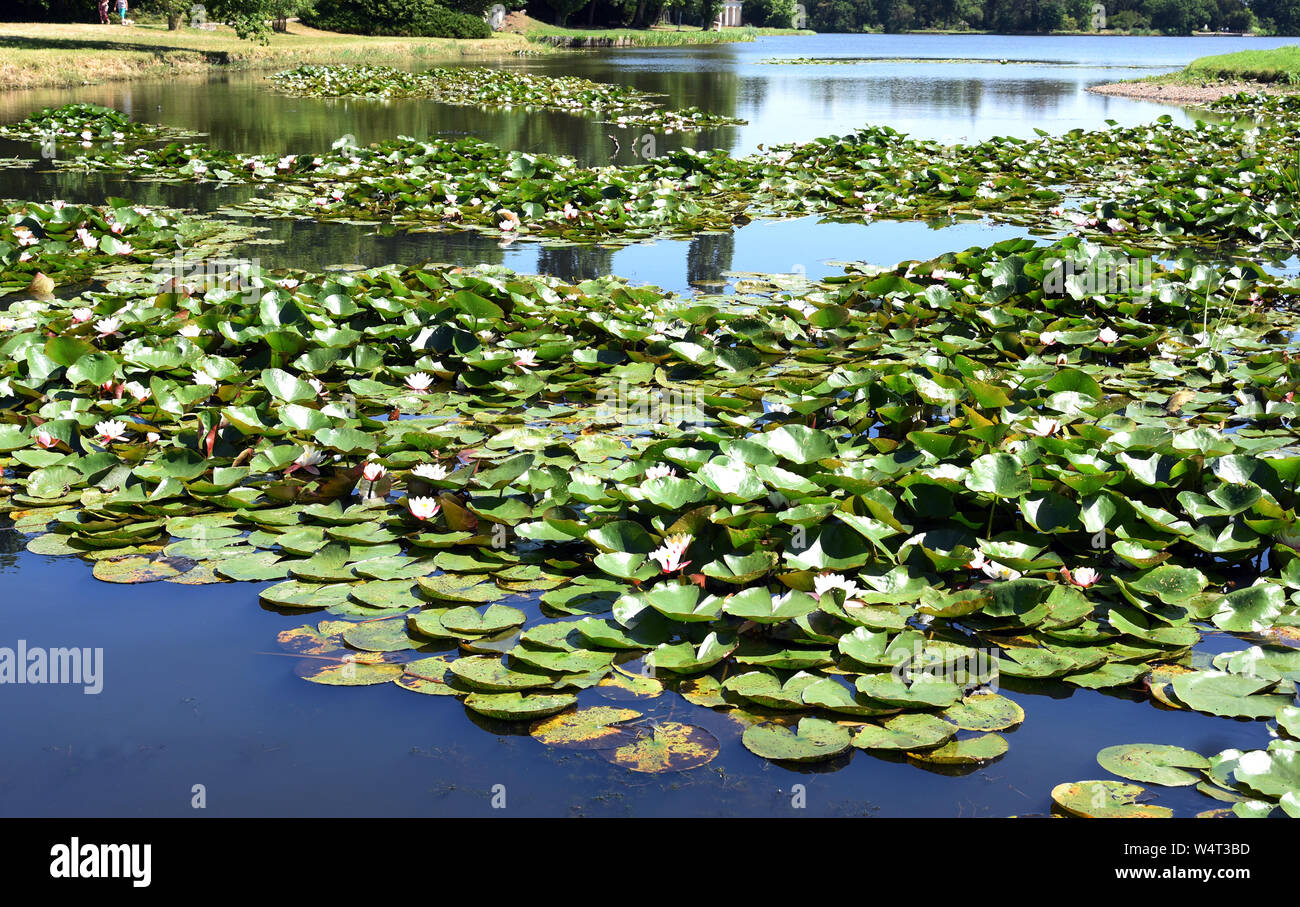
(526, 359)
(82, 315)
(1062, 359)
(86, 238)
(423, 508)
(137, 390)
(994, 570)
(373, 471)
(825, 582)
(419, 382)
(153, 437)
(509, 221)
(978, 562)
(1106, 335)
(190, 330)
(1083, 577)
(7, 324)
(1044, 427)
(318, 386)
(433, 472)
(1047, 338)
(107, 326)
(670, 554)
(111, 430)
(660, 471)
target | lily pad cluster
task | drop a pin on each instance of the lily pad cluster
(44, 246)
(1255, 783)
(814, 510)
(495, 88)
(1158, 186)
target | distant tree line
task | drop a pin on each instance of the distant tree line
(1171, 17)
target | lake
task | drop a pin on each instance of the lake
(195, 688)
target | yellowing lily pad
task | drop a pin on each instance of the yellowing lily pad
(1105, 800)
(584, 729)
(666, 747)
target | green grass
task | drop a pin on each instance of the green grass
(1281, 64)
(45, 55)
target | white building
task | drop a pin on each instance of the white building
(730, 15)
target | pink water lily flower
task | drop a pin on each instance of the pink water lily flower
(110, 430)
(137, 390)
(423, 508)
(419, 382)
(669, 555)
(373, 471)
(44, 439)
(526, 359)
(86, 238)
(977, 562)
(1083, 577)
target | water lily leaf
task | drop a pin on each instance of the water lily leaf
(813, 740)
(585, 729)
(905, 732)
(517, 706)
(380, 636)
(348, 673)
(140, 569)
(666, 747)
(488, 673)
(493, 619)
(1228, 695)
(1105, 800)
(427, 675)
(970, 751)
(984, 712)
(1153, 763)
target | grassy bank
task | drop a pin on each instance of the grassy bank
(1208, 78)
(1280, 64)
(43, 55)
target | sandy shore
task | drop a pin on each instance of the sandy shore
(1181, 94)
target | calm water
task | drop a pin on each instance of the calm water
(193, 692)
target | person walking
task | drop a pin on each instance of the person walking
(103, 12)
(121, 10)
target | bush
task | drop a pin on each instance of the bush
(402, 18)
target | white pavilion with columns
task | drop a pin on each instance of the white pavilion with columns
(730, 15)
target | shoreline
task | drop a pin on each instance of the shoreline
(43, 55)
(1175, 93)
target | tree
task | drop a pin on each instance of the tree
(709, 10)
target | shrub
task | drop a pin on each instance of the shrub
(403, 18)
